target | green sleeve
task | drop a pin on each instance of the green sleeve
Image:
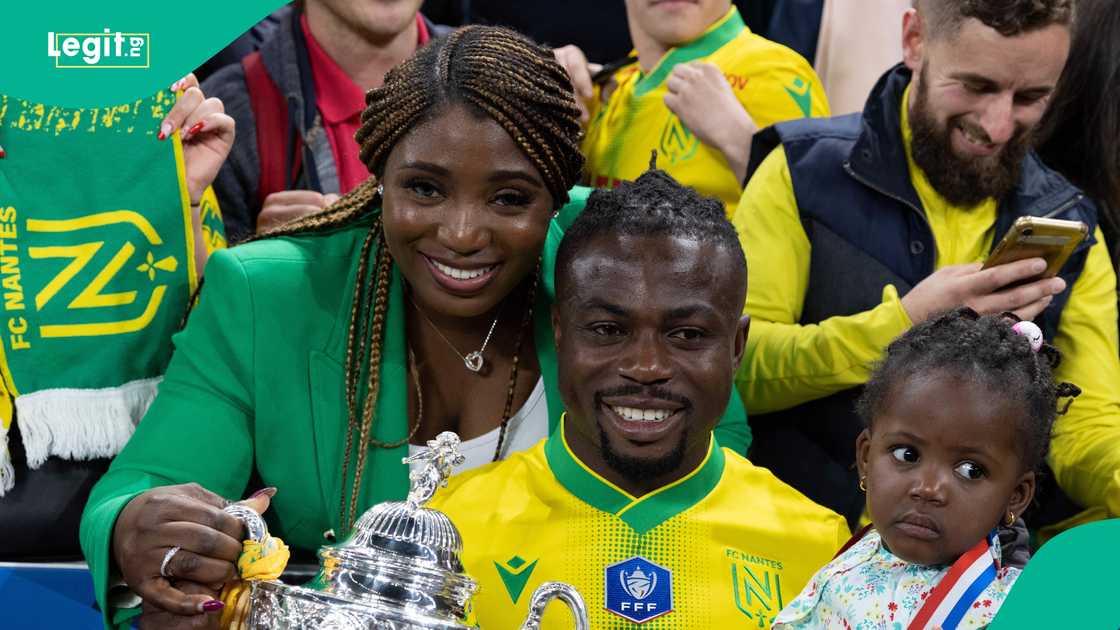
(577, 199)
(733, 431)
(199, 428)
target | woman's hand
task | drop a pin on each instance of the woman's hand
(153, 618)
(207, 133)
(191, 518)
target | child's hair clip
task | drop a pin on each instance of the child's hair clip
(1031, 331)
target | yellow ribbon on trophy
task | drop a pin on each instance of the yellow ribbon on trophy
(258, 561)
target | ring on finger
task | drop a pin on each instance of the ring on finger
(167, 560)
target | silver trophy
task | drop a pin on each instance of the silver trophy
(398, 570)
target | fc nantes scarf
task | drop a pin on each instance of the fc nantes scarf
(96, 268)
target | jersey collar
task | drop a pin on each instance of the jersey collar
(726, 29)
(641, 514)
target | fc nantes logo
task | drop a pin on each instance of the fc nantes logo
(678, 143)
(75, 267)
(639, 590)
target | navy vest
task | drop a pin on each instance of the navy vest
(867, 229)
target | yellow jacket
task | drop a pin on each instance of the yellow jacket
(787, 364)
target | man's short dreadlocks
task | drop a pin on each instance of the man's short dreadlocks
(654, 204)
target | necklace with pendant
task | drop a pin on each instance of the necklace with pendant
(473, 360)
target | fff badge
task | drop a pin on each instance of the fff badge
(639, 590)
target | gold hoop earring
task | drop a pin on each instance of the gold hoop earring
(1010, 518)
(863, 484)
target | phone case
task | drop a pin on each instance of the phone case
(1034, 237)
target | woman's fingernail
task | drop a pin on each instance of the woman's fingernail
(164, 131)
(269, 491)
(213, 606)
(3, 154)
(197, 127)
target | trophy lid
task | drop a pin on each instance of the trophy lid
(401, 553)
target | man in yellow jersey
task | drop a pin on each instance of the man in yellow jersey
(702, 84)
(859, 226)
(631, 500)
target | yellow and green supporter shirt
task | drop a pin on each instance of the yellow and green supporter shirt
(772, 82)
(787, 364)
(726, 546)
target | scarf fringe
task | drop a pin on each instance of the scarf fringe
(77, 424)
(7, 472)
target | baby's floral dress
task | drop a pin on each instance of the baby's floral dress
(869, 588)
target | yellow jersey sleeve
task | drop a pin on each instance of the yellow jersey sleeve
(1085, 448)
(787, 88)
(786, 363)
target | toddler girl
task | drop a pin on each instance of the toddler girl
(958, 417)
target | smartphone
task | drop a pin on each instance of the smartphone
(1034, 237)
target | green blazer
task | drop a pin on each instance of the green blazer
(256, 386)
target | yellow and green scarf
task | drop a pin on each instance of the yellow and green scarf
(96, 268)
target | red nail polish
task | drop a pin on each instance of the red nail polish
(161, 135)
(270, 491)
(3, 154)
(196, 128)
(213, 606)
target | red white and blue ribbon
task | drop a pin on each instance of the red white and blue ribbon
(966, 580)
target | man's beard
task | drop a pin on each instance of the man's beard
(640, 469)
(962, 181)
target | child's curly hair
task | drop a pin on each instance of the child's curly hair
(985, 350)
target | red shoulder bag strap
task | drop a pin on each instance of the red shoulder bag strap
(270, 112)
(854, 539)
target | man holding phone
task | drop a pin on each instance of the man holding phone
(858, 227)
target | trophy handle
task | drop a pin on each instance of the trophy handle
(556, 590)
(255, 527)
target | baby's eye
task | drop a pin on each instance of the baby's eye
(905, 454)
(970, 470)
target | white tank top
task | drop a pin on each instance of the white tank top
(526, 427)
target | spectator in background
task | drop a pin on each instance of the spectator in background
(860, 226)
(701, 86)
(597, 28)
(297, 103)
(1081, 139)
(249, 42)
(1081, 129)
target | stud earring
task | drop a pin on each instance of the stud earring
(863, 483)
(380, 190)
(1010, 518)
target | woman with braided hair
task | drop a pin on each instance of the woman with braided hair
(320, 352)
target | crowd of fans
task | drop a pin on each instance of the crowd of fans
(673, 305)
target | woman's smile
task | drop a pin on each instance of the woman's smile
(462, 280)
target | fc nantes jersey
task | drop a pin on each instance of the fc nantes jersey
(727, 546)
(772, 82)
